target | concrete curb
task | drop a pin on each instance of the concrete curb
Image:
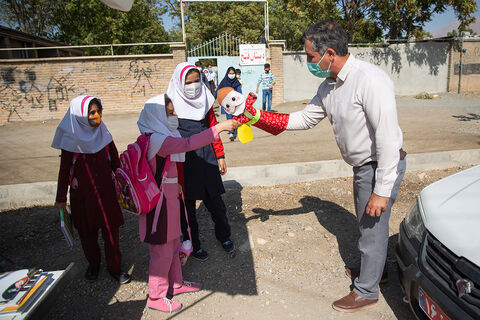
(43, 193)
(16, 196)
(309, 171)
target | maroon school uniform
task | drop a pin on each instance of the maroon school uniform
(86, 211)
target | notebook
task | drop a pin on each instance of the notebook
(67, 226)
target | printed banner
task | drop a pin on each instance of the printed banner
(252, 54)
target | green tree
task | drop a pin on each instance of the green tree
(204, 21)
(91, 22)
(80, 22)
(29, 16)
(406, 18)
(363, 20)
(290, 18)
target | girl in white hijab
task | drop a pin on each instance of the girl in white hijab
(161, 227)
(88, 159)
(193, 103)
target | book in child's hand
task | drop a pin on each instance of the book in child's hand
(67, 226)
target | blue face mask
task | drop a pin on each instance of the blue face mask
(316, 70)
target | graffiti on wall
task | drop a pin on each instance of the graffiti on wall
(141, 71)
(20, 90)
(58, 89)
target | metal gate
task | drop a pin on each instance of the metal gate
(223, 45)
(225, 49)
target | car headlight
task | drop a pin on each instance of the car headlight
(414, 226)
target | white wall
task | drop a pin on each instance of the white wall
(250, 73)
(413, 67)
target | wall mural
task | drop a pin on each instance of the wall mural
(20, 90)
(141, 71)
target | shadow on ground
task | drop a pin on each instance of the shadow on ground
(229, 274)
(32, 237)
(468, 117)
(343, 225)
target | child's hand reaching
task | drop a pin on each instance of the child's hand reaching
(227, 125)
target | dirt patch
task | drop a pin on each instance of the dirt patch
(293, 242)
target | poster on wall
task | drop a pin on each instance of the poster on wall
(252, 54)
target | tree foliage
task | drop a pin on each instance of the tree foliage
(406, 18)
(97, 24)
(29, 16)
(364, 20)
(91, 22)
(80, 22)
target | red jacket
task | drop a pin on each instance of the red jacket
(217, 145)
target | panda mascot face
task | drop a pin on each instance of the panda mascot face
(233, 102)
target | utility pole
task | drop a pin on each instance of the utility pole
(183, 23)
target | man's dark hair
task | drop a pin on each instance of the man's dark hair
(198, 64)
(238, 71)
(266, 65)
(327, 34)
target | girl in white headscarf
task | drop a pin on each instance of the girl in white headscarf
(161, 228)
(193, 103)
(88, 159)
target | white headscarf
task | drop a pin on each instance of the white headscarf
(186, 108)
(153, 119)
(75, 134)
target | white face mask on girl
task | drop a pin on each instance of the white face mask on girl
(172, 123)
(231, 76)
(192, 90)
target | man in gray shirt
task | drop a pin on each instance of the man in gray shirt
(359, 100)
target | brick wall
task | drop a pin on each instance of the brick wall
(41, 89)
(276, 63)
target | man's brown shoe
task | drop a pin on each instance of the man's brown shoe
(352, 273)
(353, 303)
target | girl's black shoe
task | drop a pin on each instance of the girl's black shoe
(200, 255)
(92, 273)
(120, 277)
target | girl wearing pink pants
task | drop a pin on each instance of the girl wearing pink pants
(162, 230)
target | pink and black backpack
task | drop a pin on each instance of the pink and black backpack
(137, 191)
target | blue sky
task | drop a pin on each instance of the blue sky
(442, 20)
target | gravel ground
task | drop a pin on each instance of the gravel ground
(293, 242)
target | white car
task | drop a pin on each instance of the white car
(438, 249)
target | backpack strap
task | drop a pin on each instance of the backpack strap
(75, 158)
(92, 181)
(99, 199)
(107, 149)
(70, 176)
(160, 200)
(186, 214)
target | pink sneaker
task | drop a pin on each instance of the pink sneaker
(164, 305)
(186, 288)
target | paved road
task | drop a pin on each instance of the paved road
(449, 122)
